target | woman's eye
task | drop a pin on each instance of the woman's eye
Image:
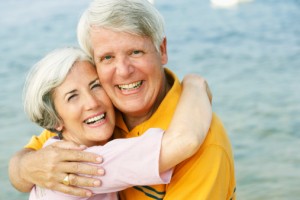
(96, 85)
(71, 97)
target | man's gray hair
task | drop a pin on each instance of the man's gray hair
(138, 17)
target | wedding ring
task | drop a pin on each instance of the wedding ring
(66, 180)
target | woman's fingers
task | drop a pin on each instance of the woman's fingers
(85, 170)
(73, 190)
(82, 181)
(81, 168)
(67, 152)
(69, 186)
(68, 145)
(58, 162)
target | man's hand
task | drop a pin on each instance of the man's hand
(49, 166)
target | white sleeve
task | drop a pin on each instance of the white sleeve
(131, 161)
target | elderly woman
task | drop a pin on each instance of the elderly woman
(63, 94)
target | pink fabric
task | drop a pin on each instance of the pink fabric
(127, 162)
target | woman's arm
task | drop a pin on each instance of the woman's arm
(190, 123)
(29, 166)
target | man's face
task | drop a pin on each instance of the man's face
(130, 70)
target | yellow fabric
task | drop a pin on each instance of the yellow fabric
(36, 142)
(209, 174)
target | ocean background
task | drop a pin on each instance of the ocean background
(250, 55)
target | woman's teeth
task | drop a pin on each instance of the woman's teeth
(94, 119)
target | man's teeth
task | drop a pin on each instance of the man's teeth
(95, 119)
(130, 86)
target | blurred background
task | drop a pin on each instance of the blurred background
(249, 53)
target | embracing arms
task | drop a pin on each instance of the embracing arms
(48, 166)
(190, 123)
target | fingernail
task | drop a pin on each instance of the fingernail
(99, 159)
(88, 194)
(101, 171)
(96, 183)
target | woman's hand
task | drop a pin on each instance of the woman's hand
(198, 80)
(49, 166)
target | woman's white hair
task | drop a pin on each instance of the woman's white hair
(41, 81)
(137, 17)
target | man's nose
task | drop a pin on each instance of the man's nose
(124, 66)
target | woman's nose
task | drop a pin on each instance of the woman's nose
(91, 101)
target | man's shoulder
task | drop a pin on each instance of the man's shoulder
(217, 134)
(37, 142)
(216, 123)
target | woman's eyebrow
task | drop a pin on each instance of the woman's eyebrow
(72, 91)
(92, 82)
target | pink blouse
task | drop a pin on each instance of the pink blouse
(127, 162)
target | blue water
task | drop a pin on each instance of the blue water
(250, 55)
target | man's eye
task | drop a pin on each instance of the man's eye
(136, 52)
(105, 58)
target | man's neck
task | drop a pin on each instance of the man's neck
(133, 121)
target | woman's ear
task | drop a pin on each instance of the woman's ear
(59, 128)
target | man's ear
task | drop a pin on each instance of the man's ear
(163, 51)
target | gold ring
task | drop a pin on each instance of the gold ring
(66, 180)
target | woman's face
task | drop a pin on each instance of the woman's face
(85, 109)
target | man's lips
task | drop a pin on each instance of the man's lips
(130, 86)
